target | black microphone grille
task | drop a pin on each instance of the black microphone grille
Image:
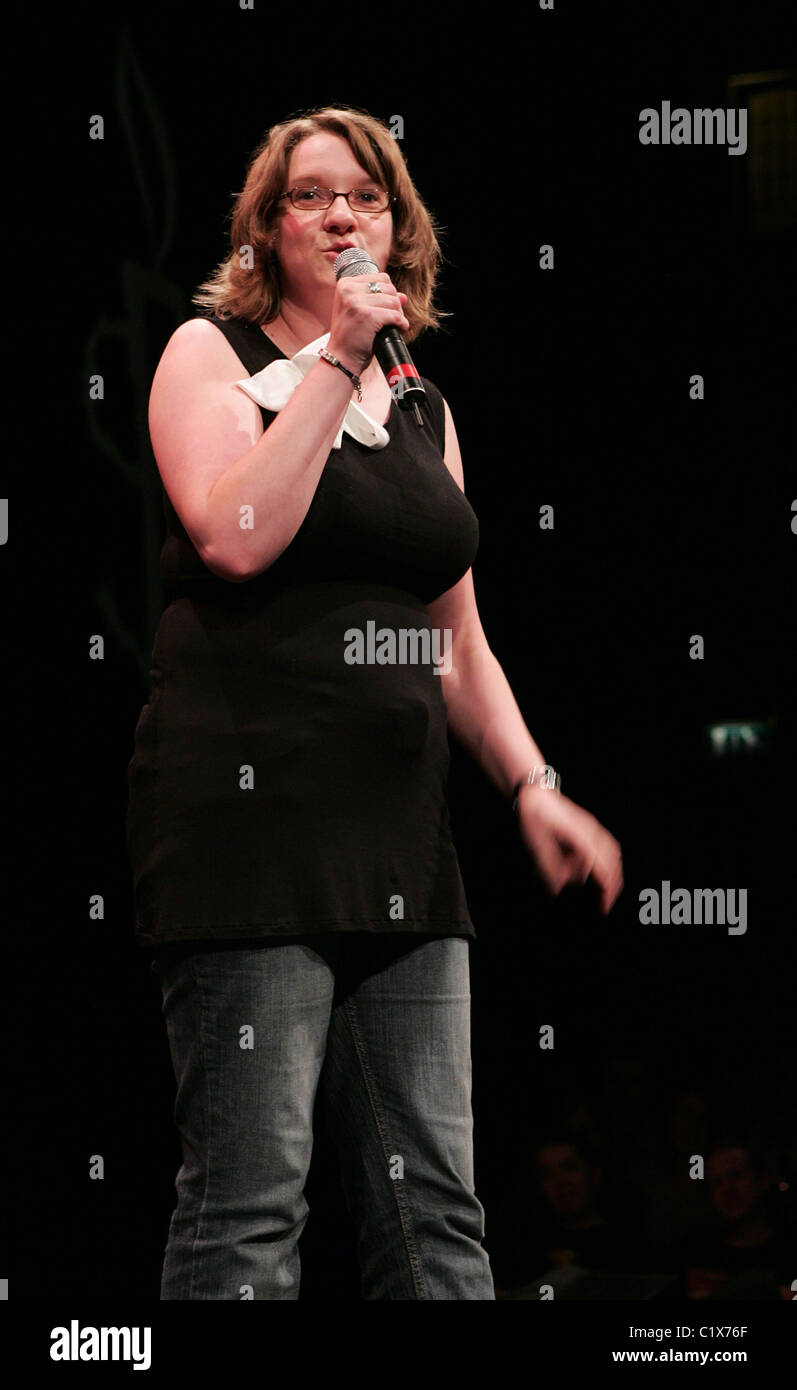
(354, 261)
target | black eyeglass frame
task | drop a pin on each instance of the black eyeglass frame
(336, 193)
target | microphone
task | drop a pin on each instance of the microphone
(390, 349)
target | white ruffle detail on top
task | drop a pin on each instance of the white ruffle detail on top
(276, 383)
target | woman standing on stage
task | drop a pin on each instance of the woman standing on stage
(288, 827)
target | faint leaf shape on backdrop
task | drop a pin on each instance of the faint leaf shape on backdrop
(150, 301)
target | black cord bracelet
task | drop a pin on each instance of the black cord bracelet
(333, 362)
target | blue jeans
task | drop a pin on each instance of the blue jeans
(382, 1024)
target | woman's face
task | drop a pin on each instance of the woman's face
(303, 236)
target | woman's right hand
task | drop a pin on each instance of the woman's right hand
(358, 314)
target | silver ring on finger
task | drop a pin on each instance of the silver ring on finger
(374, 288)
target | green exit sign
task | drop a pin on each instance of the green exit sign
(739, 735)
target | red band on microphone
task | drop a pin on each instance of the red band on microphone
(404, 369)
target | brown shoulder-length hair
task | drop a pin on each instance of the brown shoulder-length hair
(233, 291)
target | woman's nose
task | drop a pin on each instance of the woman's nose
(335, 210)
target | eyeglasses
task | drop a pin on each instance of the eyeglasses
(311, 197)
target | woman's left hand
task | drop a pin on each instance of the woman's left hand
(568, 844)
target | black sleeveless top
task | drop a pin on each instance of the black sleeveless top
(278, 788)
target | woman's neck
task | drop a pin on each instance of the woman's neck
(290, 337)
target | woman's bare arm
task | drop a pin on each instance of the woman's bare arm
(216, 459)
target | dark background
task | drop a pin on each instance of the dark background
(568, 388)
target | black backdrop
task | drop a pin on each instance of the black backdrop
(568, 387)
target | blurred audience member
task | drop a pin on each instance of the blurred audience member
(573, 1229)
(748, 1235)
(674, 1205)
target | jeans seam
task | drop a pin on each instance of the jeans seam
(401, 1204)
(208, 1116)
